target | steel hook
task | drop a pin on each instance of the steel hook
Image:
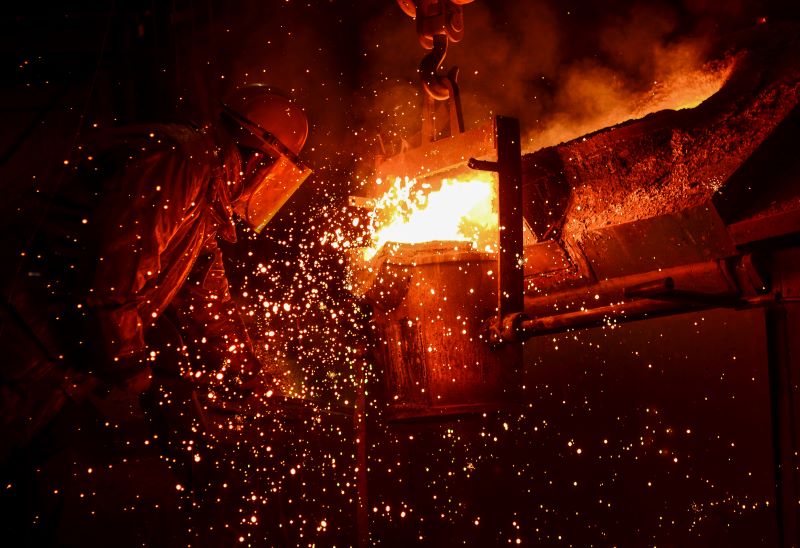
(435, 85)
(409, 7)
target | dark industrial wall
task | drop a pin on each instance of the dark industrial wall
(657, 432)
(651, 433)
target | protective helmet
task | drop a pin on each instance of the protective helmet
(273, 126)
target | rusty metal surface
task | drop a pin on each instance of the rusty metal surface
(438, 158)
(545, 258)
(693, 235)
(545, 193)
(433, 360)
(654, 197)
(768, 181)
(671, 160)
(626, 206)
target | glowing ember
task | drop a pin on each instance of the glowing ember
(411, 212)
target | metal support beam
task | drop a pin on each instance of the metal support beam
(510, 279)
(510, 268)
(782, 322)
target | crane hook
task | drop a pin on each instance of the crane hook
(434, 85)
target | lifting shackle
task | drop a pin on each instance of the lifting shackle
(438, 23)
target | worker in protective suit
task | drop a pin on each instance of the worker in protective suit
(126, 254)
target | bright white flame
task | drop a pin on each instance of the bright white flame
(409, 212)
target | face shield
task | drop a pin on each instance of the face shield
(271, 186)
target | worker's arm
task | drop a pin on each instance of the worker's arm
(213, 325)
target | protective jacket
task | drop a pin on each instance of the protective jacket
(132, 230)
(161, 212)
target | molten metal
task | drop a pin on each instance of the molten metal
(412, 212)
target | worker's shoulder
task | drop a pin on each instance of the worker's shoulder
(149, 137)
(181, 142)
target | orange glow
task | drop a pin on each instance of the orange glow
(686, 89)
(411, 212)
(596, 101)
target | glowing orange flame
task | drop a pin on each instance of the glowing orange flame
(411, 212)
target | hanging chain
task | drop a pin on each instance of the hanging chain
(438, 23)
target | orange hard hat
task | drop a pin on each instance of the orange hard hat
(271, 124)
(258, 108)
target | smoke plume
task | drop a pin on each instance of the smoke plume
(564, 71)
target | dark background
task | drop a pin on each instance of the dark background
(671, 416)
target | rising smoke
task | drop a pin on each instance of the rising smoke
(564, 68)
